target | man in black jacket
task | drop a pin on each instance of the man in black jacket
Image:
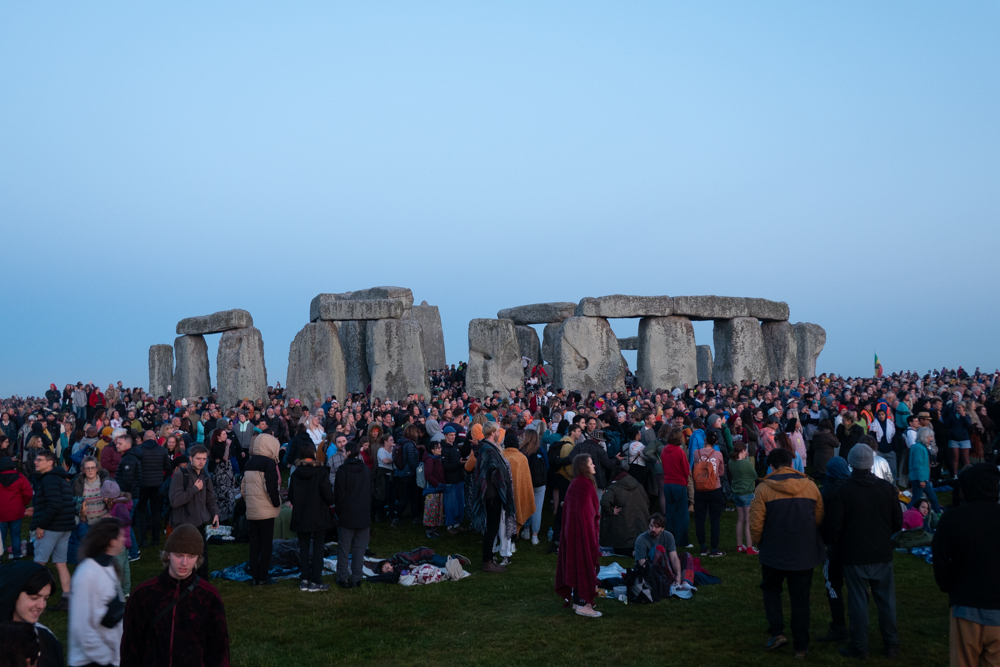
(862, 518)
(53, 519)
(602, 462)
(352, 494)
(849, 433)
(155, 467)
(966, 551)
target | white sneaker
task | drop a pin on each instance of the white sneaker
(534, 538)
(526, 533)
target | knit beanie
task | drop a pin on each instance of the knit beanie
(861, 457)
(912, 518)
(185, 540)
(110, 489)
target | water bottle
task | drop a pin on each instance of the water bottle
(550, 533)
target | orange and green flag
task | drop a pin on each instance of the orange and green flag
(878, 367)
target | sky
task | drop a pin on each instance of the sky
(162, 161)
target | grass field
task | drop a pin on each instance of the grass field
(516, 618)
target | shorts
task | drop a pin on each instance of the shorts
(743, 500)
(960, 444)
(53, 543)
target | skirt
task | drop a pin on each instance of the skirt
(454, 504)
(434, 510)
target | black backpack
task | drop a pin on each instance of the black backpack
(398, 459)
(646, 583)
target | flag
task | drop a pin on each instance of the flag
(878, 367)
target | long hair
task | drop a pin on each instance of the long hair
(529, 445)
(19, 643)
(581, 469)
(784, 441)
(99, 537)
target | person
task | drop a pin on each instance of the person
(863, 516)
(98, 603)
(155, 467)
(579, 551)
(454, 480)
(920, 469)
(90, 507)
(708, 496)
(658, 536)
(785, 516)
(837, 473)
(848, 433)
(15, 496)
(824, 447)
(192, 499)
(433, 490)
(538, 466)
(53, 519)
(335, 455)
(520, 472)
(19, 645)
(884, 432)
(178, 618)
(352, 496)
(744, 475)
(959, 426)
(311, 494)
(676, 472)
(259, 489)
(222, 451)
(25, 588)
(602, 461)
(966, 550)
(119, 506)
(406, 479)
(624, 512)
(494, 495)
(127, 475)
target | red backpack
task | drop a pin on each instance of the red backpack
(705, 477)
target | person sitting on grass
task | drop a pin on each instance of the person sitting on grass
(657, 536)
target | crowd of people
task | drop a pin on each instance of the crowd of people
(821, 472)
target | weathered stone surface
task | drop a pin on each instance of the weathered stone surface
(354, 343)
(395, 355)
(494, 358)
(587, 357)
(402, 294)
(240, 371)
(667, 357)
(781, 349)
(224, 320)
(538, 313)
(191, 371)
(623, 305)
(549, 342)
(711, 307)
(739, 351)
(326, 308)
(766, 310)
(316, 364)
(810, 340)
(527, 342)
(629, 343)
(161, 369)
(430, 322)
(704, 354)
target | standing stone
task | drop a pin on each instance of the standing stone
(316, 364)
(430, 323)
(527, 342)
(354, 343)
(191, 371)
(781, 350)
(704, 353)
(240, 371)
(739, 351)
(623, 305)
(549, 334)
(395, 353)
(538, 313)
(810, 340)
(494, 358)
(161, 369)
(667, 357)
(629, 343)
(587, 357)
(224, 320)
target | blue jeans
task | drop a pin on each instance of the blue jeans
(14, 527)
(678, 521)
(536, 518)
(918, 493)
(81, 414)
(133, 551)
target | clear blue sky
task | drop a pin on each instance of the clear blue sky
(161, 161)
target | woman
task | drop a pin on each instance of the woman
(220, 455)
(385, 488)
(19, 645)
(744, 482)
(884, 431)
(90, 506)
(311, 494)
(315, 431)
(175, 448)
(782, 440)
(202, 430)
(538, 466)
(260, 490)
(116, 420)
(794, 430)
(920, 469)
(97, 605)
(709, 501)
(824, 447)
(25, 588)
(579, 551)
(433, 490)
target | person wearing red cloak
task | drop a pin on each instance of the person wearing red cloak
(579, 548)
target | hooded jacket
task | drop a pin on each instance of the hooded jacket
(619, 531)
(311, 494)
(352, 494)
(785, 517)
(260, 480)
(966, 546)
(15, 492)
(862, 518)
(55, 509)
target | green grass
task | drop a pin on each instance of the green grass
(516, 618)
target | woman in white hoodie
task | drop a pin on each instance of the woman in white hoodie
(97, 605)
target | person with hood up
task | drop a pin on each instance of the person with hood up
(624, 513)
(837, 473)
(15, 496)
(25, 588)
(884, 432)
(494, 495)
(311, 495)
(864, 515)
(352, 498)
(259, 489)
(579, 548)
(785, 517)
(966, 551)
(53, 519)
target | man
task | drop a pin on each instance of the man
(966, 551)
(602, 462)
(849, 433)
(353, 500)
(53, 519)
(155, 462)
(494, 495)
(785, 516)
(79, 397)
(647, 544)
(336, 456)
(192, 499)
(177, 618)
(864, 514)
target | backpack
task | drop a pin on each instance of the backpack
(705, 477)
(646, 583)
(398, 459)
(421, 479)
(77, 458)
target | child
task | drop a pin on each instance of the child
(744, 481)
(119, 506)
(15, 496)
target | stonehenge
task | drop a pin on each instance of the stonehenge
(538, 313)
(704, 355)
(667, 356)
(394, 351)
(430, 323)
(161, 369)
(739, 351)
(494, 358)
(316, 363)
(809, 340)
(191, 372)
(239, 367)
(587, 357)
(781, 349)
(527, 342)
(225, 320)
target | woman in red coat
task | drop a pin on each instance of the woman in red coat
(579, 548)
